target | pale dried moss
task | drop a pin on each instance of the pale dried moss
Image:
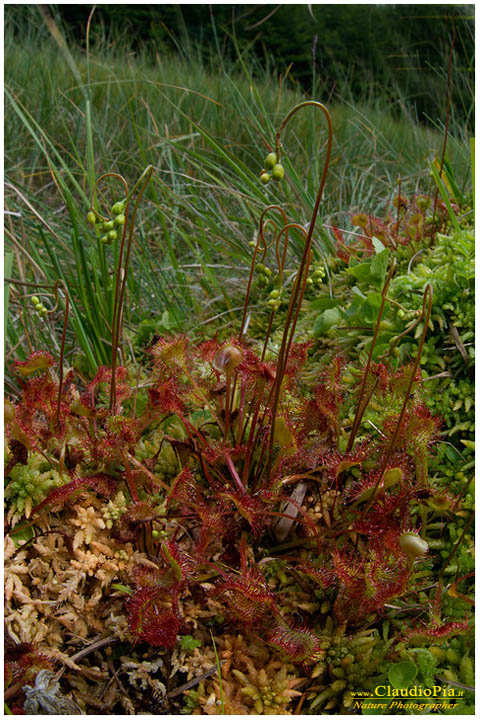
(50, 589)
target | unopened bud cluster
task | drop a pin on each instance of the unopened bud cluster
(316, 275)
(273, 169)
(109, 227)
(39, 307)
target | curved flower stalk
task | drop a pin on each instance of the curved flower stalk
(261, 241)
(62, 346)
(301, 277)
(362, 405)
(426, 311)
(121, 211)
(28, 366)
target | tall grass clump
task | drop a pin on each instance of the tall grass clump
(73, 113)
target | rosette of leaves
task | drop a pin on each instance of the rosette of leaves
(231, 486)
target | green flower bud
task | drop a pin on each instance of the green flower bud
(265, 178)
(91, 217)
(108, 225)
(271, 160)
(112, 235)
(105, 239)
(35, 300)
(413, 545)
(119, 219)
(227, 358)
(118, 207)
(43, 312)
(278, 172)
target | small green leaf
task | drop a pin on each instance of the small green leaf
(378, 245)
(324, 303)
(453, 454)
(357, 304)
(372, 306)
(326, 320)
(189, 643)
(379, 265)
(402, 674)
(360, 271)
(427, 664)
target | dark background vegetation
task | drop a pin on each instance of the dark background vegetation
(398, 50)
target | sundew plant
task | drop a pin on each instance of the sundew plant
(222, 499)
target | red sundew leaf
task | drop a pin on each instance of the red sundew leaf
(379, 230)
(322, 575)
(247, 596)
(59, 495)
(378, 379)
(141, 512)
(104, 375)
(149, 577)
(165, 396)
(40, 393)
(343, 252)
(208, 349)
(250, 508)
(162, 629)
(186, 491)
(366, 585)
(386, 578)
(37, 361)
(22, 662)
(335, 462)
(399, 381)
(298, 645)
(83, 405)
(216, 452)
(149, 621)
(297, 358)
(101, 482)
(120, 437)
(35, 420)
(379, 517)
(182, 564)
(252, 368)
(348, 569)
(169, 353)
(215, 525)
(434, 634)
